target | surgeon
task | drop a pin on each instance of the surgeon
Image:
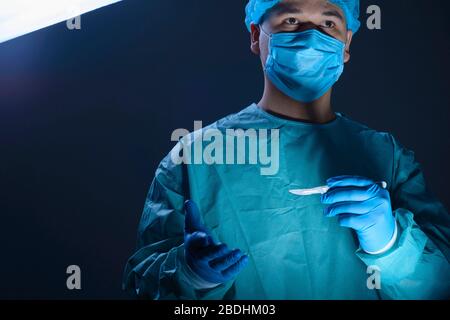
(224, 231)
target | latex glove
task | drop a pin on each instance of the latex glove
(211, 261)
(363, 205)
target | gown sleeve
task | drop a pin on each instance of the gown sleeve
(417, 266)
(157, 270)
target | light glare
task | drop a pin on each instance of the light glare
(19, 17)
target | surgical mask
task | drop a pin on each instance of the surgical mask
(304, 65)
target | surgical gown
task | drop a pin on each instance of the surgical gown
(294, 251)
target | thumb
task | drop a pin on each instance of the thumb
(192, 222)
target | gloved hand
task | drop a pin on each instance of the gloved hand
(363, 205)
(212, 261)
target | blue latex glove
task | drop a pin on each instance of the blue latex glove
(363, 205)
(212, 261)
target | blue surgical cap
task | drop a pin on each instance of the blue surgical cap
(256, 9)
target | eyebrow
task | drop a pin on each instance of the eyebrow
(333, 13)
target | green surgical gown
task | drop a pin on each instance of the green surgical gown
(294, 251)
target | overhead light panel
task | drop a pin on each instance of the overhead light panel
(19, 17)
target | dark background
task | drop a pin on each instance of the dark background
(85, 117)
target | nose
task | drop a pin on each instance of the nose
(307, 26)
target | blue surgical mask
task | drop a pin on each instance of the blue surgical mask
(304, 65)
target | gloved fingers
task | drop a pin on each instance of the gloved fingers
(341, 194)
(192, 216)
(346, 181)
(235, 268)
(198, 240)
(353, 207)
(214, 251)
(355, 221)
(226, 261)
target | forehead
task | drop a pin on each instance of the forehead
(307, 7)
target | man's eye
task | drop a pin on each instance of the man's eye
(292, 21)
(328, 24)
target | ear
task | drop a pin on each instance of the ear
(347, 46)
(254, 39)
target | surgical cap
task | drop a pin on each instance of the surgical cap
(256, 9)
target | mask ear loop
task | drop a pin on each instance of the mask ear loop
(264, 31)
(269, 44)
